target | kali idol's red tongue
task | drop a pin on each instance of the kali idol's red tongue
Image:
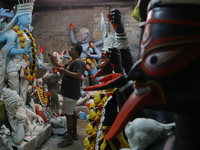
(132, 105)
(129, 109)
(98, 73)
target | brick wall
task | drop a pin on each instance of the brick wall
(72, 3)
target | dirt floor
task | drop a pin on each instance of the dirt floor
(51, 143)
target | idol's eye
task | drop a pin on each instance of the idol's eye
(155, 59)
(159, 58)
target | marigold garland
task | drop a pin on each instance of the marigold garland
(42, 96)
(98, 117)
(29, 74)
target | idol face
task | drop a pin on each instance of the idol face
(166, 71)
(26, 19)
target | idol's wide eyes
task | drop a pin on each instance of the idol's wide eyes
(157, 58)
(160, 62)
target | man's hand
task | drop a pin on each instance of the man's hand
(60, 69)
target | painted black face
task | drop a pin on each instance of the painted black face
(176, 91)
(169, 55)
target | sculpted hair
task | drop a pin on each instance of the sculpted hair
(78, 48)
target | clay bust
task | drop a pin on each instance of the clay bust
(21, 119)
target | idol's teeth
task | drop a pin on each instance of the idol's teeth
(140, 91)
(143, 90)
(136, 91)
(148, 88)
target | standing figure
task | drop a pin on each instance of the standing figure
(21, 119)
(18, 51)
(50, 84)
(70, 89)
(90, 54)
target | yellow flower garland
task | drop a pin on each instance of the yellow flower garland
(29, 74)
(42, 96)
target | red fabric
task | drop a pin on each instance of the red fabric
(41, 114)
(97, 120)
(108, 94)
(100, 107)
(94, 135)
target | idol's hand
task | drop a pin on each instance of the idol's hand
(70, 26)
(27, 48)
(40, 65)
(115, 18)
(41, 121)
